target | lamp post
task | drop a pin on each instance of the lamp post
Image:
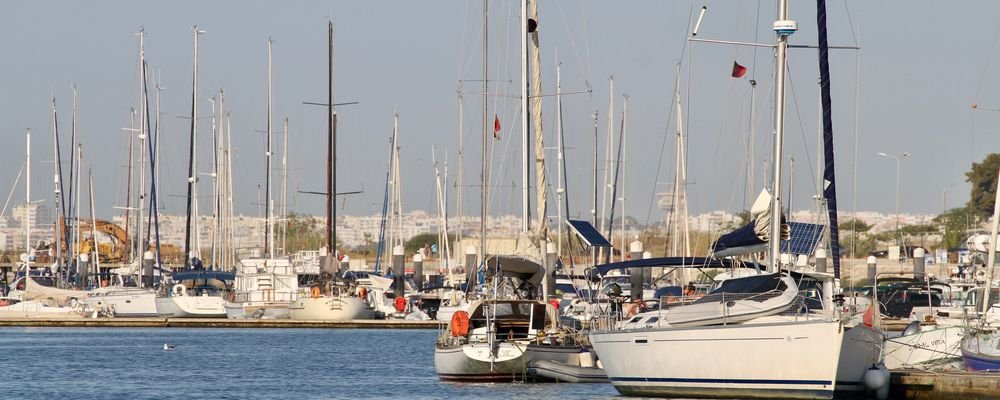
(899, 160)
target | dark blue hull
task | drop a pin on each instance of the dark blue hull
(976, 362)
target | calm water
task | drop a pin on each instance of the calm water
(129, 363)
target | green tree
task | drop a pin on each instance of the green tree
(954, 224)
(919, 231)
(983, 179)
(305, 233)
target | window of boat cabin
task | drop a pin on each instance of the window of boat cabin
(538, 317)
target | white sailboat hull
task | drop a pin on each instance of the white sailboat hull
(191, 307)
(130, 302)
(925, 347)
(330, 309)
(256, 310)
(474, 362)
(755, 360)
(38, 309)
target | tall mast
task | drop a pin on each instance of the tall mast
(782, 27)
(27, 202)
(609, 145)
(153, 147)
(560, 191)
(284, 191)
(57, 180)
(525, 132)
(331, 156)
(216, 245)
(191, 173)
(269, 228)
(486, 138)
(141, 245)
(72, 233)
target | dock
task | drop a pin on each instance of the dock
(933, 385)
(214, 323)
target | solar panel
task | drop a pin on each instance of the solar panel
(588, 233)
(802, 238)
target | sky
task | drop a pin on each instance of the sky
(908, 89)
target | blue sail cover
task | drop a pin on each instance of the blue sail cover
(739, 240)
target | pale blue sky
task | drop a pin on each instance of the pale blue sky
(921, 66)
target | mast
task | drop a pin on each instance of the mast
(486, 137)
(829, 172)
(74, 163)
(331, 157)
(560, 192)
(525, 132)
(153, 147)
(93, 224)
(609, 145)
(284, 191)
(191, 173)
(143, 120)
(269, 228)
(57, 188)
(614, 180)
(27, 201)
(783, 28)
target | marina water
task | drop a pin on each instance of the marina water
(130, 363)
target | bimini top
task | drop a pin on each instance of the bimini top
(516, 267)
(675, 262)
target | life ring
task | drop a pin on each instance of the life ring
(314, 292)
(363, 293)
(400, 304)
(636, 307)
(180, 290)
(459, 323)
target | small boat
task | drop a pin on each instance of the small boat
(562, 372)
(332, 303)
(980, 353)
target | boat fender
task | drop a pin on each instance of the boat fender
(400, 304)
(876, 379)
(459, 323)
(912, 329)
(314, 292)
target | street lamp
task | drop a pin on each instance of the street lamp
(898, 159)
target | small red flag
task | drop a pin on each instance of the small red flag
(738, 70)
(496, 127)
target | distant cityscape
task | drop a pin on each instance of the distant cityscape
(354, 231)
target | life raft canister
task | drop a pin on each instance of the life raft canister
(400, 304)
(459, 323)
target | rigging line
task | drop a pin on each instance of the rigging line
(670, 116)
(802, 130)
(586, 49)
(989, 57)
(572, 42)
(850, 23)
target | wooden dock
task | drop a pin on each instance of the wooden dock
(934, 385)
(216, 323)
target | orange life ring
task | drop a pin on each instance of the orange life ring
(314, 292)
(400, 304)
(363, 293)
(459, 323)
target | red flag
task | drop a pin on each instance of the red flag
(496, 127)
(738, 70)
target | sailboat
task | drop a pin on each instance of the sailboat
(981, 349)
(331, 299)
(502, 331)
(784, 353)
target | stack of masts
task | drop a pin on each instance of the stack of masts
(223, 249)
